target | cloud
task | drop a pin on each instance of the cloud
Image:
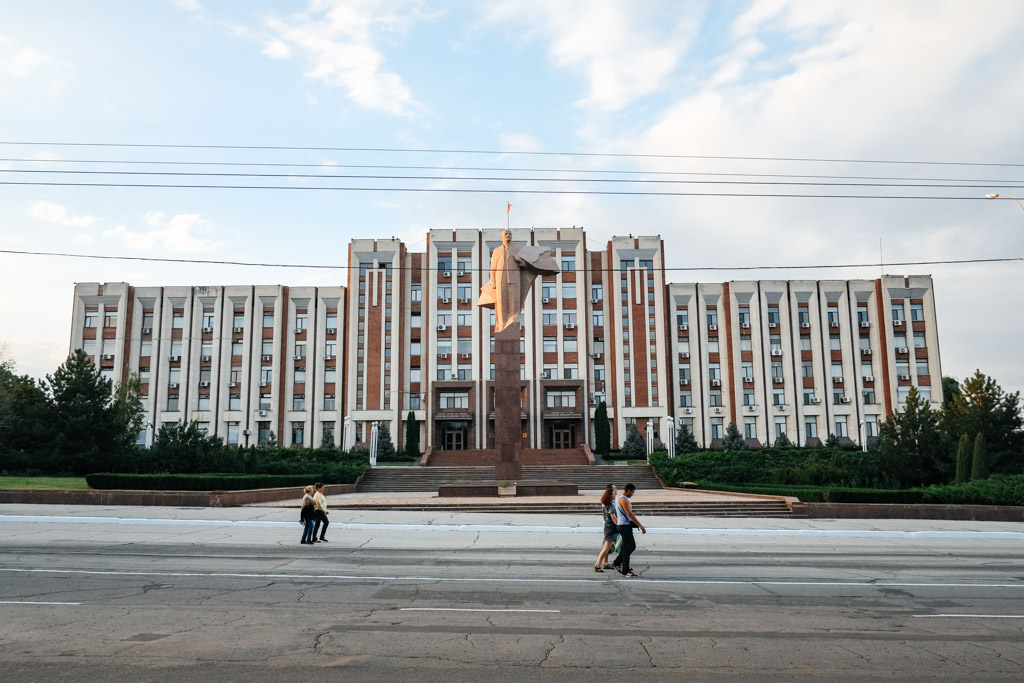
(55, 213)
(189, 5)
(174, 234)
(623, 54)
(23, 67)
(339, 41)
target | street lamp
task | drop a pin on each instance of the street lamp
(994, 195)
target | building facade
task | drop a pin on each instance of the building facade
(312, 365)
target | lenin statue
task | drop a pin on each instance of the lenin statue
(513, 270)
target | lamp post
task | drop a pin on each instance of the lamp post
(994, 195)
(671, 437)
(650, 439)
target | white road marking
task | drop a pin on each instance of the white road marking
(467, 609)
(353, 577)
(969, 616)
(35, 602)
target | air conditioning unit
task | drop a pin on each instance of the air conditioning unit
(897, 323)
(465, 355)
(297, 357)
(716, 382)
(684, 354)
(455, 376)
(595, 355)
(718, 410)
(844, 399)
(751, 408)
(146, 330)
(263, 413)
(446, 273)
(460, 272)
(174, 359)
(865, 352)
(332, 330)
(442, 355)
(865, 324)
(207, 329)
(263, 384)
(570, 326)
(683, 328)
(833, 323)
(595, 301)
(300, 330)
(204, 384)
(781, 406)
(107, 356)
(172, 385)
(545, 300)
(903, 349)
(905, 377)
(239, 329)
(748, 380)
(206, 359)
(838, 379)
(442, 328)
(684, 382)
(745, 326)
(300, 368)
(776, 351)
(328, 356)
(546, 374)
(773, 325)
(232, 385)
(815, 400)
(777, 380)
(446, 301)
(869, 378)
(593, 401)
(805, 325)
(687, 410)
(713, 328)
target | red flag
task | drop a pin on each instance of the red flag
(509, 209)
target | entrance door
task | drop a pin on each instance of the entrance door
(453, 437)
(562, 437)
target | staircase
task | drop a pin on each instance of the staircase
(483, 457)
(586, 477)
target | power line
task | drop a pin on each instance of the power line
(401, 150)
(480, 190)
(613, 270)
(191, 174)
(507, 169)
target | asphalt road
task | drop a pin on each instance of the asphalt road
(201, 599)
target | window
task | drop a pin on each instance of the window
(806, 369)
(145, 349)
(172, 402)
(712, 317)
(265, 401)
(569, 318)
(750, 427)
(561, 399)
(208, 319)
(685, 399)
(747, 369)
(682, 317)
(266, 374)
(177, 320)
(330, 348)
(838, 394)
(833, 314)
(235, 402)
(301, 320)
(748, 397)
(744, 315)
(328, 431)
(778, 397)
(329, 402)
(922, 366)
(919, 340)
(804, 316)
(236, 347)
(570, 371)
(300, 376)
(902, 393)
(712, 344)
(204, 402)
(174, 376)
(925, 393)
(862, 313)
(299, 402)
(232, 434)
(464, 264)
(834, 343)
(453, 400)
(464, 372)
(808, 397)
(90, 318)
(568, 290)
(870, 426)
(840, 424)
(715, 397)
(717, 429)
(865, 342)
(869, 396)
(811, 427)
(597, 292)
(568, 264)
(773, 316)
(745, 342)
(110, 319)
(897, 312)
(780, 426)
(330, 375)
(902, 366)
(268, 318)
(298, 432)
(837, 368)
(714, 371)
(444, 292)
(444, 372)
(805, 342)
(569, 345)
(444, 264)
(598, 318)
(776, 369)
(916, 311)
(865, 369)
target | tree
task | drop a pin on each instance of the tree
(634, 447)
(181, 448)
(685, 442)
(734, 441)
(602, 430)
(783, 442)
(979, 464)
(912, 448)
(385, 446)
(982, 407)
(412, 436)
(963, 459)
(327, 440)
(950, 390)
(26, 423)
(94, 429)
(832, 441)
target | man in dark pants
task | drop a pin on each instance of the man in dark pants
(626, 522)
(320, 501)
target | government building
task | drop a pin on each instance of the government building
(403, 333)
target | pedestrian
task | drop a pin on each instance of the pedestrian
(307, 514)
(320, 502)
(610, 531)
(626, 522)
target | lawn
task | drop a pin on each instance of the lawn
(43, 483)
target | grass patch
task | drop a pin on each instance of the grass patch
(75, 483)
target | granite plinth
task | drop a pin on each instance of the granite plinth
(487, 489)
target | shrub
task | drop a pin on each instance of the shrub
(999, 489)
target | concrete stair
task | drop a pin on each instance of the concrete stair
(429, 479)
(529, 457)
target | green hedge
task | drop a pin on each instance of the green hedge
(204, 482)
(823, 467)
(999, 489)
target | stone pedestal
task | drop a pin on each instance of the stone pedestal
(508, 406)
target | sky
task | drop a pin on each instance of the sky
(701, 106)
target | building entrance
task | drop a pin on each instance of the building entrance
(453, 436)
(563, 436)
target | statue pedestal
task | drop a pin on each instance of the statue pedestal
(508, 406)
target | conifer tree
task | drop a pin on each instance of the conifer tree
(634, 448)
(602, 430)
(412, 436)
(385, 446)
(979, 465)
(685, 441)
(734, 441)
(963, 459)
